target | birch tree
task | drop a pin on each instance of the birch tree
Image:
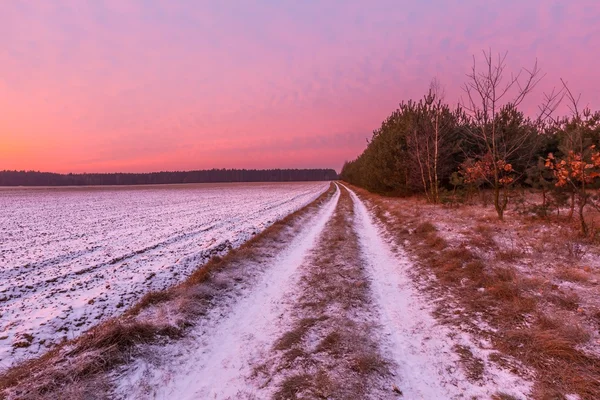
(431, 140)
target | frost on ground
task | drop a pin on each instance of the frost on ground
(72, 257)
(524, 288)
(215, 360)
(333, 314)
(424, 350)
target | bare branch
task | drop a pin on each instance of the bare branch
(551, 102)
(574, 106)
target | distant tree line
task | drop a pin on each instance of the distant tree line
(486, 142)
(34, 178)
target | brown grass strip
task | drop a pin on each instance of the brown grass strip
(331, 348)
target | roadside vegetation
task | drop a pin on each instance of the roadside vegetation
(80, 368)
(487, 147)
(527, 291)
(501, 213)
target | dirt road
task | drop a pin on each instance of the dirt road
(333, 314)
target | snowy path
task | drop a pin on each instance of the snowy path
(311, 290)
(421, 348)
(219, 356)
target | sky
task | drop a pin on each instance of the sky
(152, 85)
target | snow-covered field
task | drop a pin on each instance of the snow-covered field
(71, 257)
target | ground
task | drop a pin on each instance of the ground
(76, 256)
(356, 296)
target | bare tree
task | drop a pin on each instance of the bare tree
(439, 135)
(429, 139)
(490, 92)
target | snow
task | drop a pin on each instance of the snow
(422, 349)
(72, 257)
(105, 232)
(216, 360)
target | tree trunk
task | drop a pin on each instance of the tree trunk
(454, 202)
(497, 204)
(572, 211)
(421, 167)
(544, 202)
(582, 203)
(504, 200)
(429, 177)
(435, 159)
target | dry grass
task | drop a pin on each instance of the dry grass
(368, 362)
(573, 274)
(473, 366)
(479, 275)
(119, 335)
(293, 387)
(436, 242)
(101, 349)
(425, 228)
(329, 352)
(78, 367)
(508, 256)
(295, 336)
(150, 299)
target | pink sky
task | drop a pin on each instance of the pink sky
(173, 85)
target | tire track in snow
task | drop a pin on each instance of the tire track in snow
(329, 348)
(219, 361)
(426, 364)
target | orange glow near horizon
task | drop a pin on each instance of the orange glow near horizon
(151, 86)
